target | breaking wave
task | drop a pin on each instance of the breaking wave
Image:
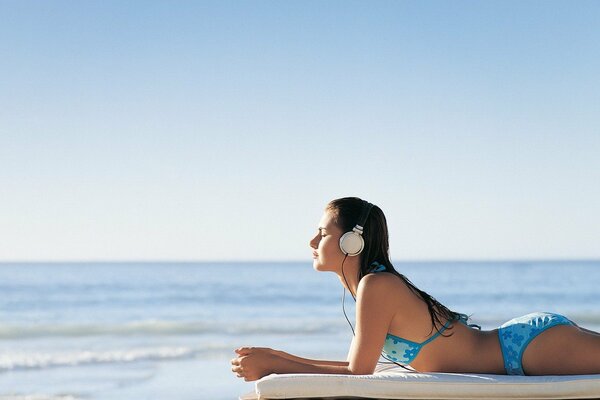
(168, 328)
(40, 360)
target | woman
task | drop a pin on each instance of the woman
(410, 326)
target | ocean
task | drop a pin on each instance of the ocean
(106, 331)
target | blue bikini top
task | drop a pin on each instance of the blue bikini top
(405, 351)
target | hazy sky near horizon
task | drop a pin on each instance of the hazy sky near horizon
(219, 130)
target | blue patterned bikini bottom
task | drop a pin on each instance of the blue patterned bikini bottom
(516, 334)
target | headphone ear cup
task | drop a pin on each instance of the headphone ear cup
(351, 243)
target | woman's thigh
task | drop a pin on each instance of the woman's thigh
(563, 350)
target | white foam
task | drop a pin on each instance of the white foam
(165, 328)
(37, 397)
(24, 360)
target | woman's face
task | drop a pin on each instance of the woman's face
(327, 255)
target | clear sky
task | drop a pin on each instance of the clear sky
(219, 130)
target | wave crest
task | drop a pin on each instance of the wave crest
(167, 328)
(37, 397)
(17, 361)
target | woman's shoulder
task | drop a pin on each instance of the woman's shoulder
(384, 292)
(383, 283)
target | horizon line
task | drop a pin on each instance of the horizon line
(208, 261)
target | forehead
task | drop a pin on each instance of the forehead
(327, 222)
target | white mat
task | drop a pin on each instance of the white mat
(396, 383)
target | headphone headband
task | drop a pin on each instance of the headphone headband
(364, 215)
(352, 242)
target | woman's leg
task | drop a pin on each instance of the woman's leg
(563, 350)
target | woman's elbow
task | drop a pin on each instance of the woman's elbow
(360, 370)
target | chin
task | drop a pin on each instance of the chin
(317, 266)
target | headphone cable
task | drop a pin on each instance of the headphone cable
(344, 296)
(349, 323)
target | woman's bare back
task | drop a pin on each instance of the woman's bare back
(559, 350)
(459, 349)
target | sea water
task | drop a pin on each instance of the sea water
(168, 330)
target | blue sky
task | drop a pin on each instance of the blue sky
(219, 130)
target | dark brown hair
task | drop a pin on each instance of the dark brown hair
(345, 213)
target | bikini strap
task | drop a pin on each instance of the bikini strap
(376, 267)
(461, 318)
(438, 333)
(464, 319)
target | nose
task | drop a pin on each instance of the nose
(314, 243)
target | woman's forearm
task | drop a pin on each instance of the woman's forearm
(292, 357)
(295, 366)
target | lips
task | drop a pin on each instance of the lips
(315, 255)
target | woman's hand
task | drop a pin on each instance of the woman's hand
(253, 363)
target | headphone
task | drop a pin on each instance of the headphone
(352, 242)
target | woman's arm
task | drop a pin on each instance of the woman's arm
(292, 357)
(306, 366)
(253, 363)
(373, 315)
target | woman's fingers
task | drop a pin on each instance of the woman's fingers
(236, 368)
(243, 350)
(238, 371)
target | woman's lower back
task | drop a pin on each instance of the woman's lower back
(560, 349)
